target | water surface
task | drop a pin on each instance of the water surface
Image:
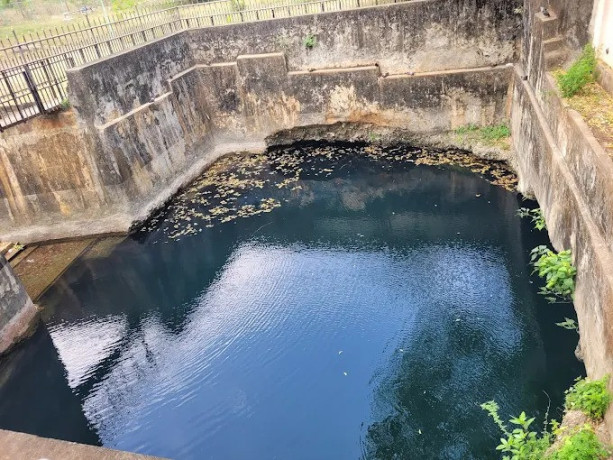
(322, 302)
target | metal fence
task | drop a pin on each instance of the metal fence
(33, 67)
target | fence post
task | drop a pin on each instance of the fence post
(32, 87)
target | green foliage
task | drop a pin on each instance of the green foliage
(523, 444)
(123, 5)
(558, 271)
(488, 134)
(591, 397)
(582, 444)
(496, 132)
(569, 324)
(372, 137)
(520, 443)
(469, 128)
(538, 219)
(310, 41)
(65, 104)
(580, 73)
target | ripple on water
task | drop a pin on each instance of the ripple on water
(365, 316)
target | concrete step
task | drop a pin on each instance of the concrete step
(553, 44)
(556, 59)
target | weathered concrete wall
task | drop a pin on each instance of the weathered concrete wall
(419, 36)
(17, 312)
(149, 120)
(561, 162)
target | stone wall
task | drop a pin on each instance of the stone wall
(563, 165)
(17, 311)
(149, 120)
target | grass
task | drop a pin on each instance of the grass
(596, 107)
(579, 74)
(495, 135)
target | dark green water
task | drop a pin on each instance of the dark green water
(362, 307)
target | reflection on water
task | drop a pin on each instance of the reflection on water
(366, 317)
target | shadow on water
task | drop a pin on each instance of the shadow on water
(316, 302)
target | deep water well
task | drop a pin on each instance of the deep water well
(316, 245)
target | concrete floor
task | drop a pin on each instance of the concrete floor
(21, 446)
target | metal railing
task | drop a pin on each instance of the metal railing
(33, 67)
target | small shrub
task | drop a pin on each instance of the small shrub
(590, 397)
(557, 270)
(579, 74)
(310, 41)
(538, 219)
(580, 445)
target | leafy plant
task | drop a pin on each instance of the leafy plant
(579, 74)
(310, 41)
(558, 271)
(519, 443)
(590, 397)
(569, 324)
(538, 219)
(582, 444)
(523, 444)
(372, 137)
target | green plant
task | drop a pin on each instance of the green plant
(582, 444)
(590, 397)
(310, 41)
(496, 132)
(520, 443)
(558, 271)
(579, 74)
(538, 219)
(569, 324)
(372, 137)
(65, 104)
(469, 128)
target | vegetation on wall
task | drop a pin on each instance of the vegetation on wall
(496, 135)
(557, 270)
(579, 74)
(590, 397)
(310, 41)
(555, 442)
(536, 215)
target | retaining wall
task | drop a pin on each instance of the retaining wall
(149, 120)
(569, 172)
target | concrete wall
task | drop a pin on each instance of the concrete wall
(561, 162)
(419, 36)
(601, 30)
(149, 120)
(17, 311)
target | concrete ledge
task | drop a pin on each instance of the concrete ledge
(29, 447)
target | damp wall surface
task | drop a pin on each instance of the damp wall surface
(147, 121)
(17, 312)
(569, 173)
